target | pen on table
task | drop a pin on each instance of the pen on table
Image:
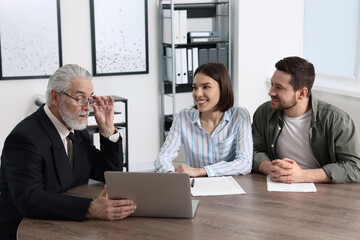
(192, 182)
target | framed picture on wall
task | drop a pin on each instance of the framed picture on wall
(119, 37)
(30, 38)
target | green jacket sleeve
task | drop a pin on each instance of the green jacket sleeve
(259, 137)
(345, 149)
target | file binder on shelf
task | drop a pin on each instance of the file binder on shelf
(184, 66)
(204, 40)
(213, 57)
(181, 68)
(203, 56)
(203, 34)
(167, 26)
(178, 67)
(183, 26)
(190, 65)
(180, 26)
(195, 52)
(168, 62)
(223, 56)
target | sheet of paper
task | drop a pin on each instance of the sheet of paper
(294, 187)
(213, 186)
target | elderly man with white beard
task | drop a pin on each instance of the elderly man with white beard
(50, 152)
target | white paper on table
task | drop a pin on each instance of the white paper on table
(285, 187)
(214, 186)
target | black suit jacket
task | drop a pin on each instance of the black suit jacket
(35, 169)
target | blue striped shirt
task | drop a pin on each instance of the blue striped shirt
(227, 151)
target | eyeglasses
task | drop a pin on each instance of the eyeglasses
(81, 101)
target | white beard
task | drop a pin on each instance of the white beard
(70, 119)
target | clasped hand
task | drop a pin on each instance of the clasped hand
(104, 115)
(285, 170)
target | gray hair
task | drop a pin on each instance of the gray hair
(60, 81)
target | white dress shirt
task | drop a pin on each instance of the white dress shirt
(64, 131)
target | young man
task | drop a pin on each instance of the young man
(41, 160)
(298, 138)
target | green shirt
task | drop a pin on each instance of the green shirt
(333, 139)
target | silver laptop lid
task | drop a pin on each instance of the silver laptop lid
(155, 194)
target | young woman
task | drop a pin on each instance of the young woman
(216, 136)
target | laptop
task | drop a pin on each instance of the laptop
(155, 194)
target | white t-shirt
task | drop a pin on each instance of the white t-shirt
(293, 141)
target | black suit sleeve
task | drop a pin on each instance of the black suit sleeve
(28, 185)
(110, 158)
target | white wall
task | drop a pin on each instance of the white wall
(142, 91)
(267, 31)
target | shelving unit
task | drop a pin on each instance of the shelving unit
(210, 16)
(120, 122)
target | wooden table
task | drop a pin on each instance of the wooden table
(331, 213)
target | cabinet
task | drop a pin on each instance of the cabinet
(120, 122)
(191, 33)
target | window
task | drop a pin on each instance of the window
(331, 38)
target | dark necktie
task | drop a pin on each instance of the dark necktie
(71, 149)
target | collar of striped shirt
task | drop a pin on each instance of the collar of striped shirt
(196, 117)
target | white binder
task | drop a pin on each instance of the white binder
(169, 66)
(167, 26)
(178, 69)
(184, 68)
(195, 54)
(190, 65)
(183, 26)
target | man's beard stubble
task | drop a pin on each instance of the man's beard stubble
(285, 107)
